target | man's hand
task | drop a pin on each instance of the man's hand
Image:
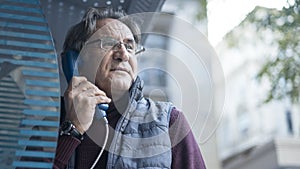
(81, 99)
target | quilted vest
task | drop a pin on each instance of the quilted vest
(141, 138)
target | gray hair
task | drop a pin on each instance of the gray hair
(79, 33)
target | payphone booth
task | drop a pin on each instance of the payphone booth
(30, 79)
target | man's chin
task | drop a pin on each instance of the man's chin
(120, 75)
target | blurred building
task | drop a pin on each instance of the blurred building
(254, 135)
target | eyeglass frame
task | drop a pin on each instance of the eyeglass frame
(137, 50)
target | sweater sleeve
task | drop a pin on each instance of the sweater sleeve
(185, 150)
(66, 146)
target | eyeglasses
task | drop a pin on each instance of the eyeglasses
(115, 45)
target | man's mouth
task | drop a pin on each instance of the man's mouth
(119, 69)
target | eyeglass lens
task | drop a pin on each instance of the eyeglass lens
(110, 43)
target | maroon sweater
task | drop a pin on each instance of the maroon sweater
(185, 153)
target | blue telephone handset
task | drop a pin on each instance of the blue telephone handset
(70, 69)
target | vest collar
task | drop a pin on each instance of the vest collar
(136, 89)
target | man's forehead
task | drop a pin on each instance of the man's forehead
(114, 28)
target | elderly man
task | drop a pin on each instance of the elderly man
(142, 133)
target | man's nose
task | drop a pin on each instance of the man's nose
(121, 53)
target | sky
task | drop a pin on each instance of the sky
(224, 15)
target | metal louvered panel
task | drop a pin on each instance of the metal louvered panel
(138, 6)
(29, 87)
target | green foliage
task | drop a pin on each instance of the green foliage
(202, 12)
(283, 71)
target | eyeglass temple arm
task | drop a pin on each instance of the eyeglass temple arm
(140, 51)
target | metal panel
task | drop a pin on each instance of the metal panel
(138, 6)
(29, 87)
(24, 26)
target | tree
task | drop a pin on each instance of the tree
(283, 71)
